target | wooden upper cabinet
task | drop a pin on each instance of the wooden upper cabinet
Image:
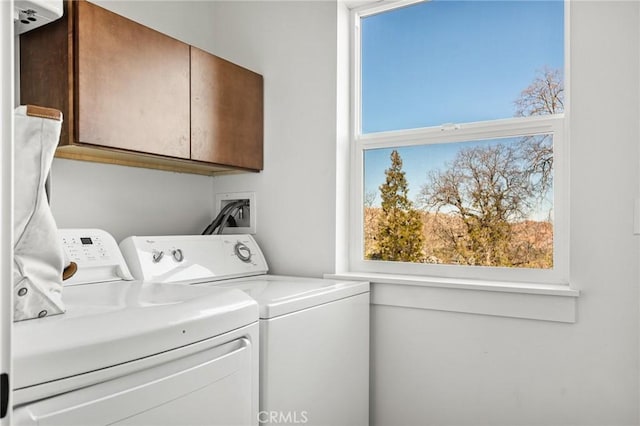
(134, 96)
(226, 112)
(119, 84)
(132, 85)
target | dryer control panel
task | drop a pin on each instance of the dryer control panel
(97, 255)
(193, 258)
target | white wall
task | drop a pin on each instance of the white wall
(129, 201)
(442, 368)
(293, 45)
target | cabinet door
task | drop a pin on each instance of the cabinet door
(226, 112)
(132, 85)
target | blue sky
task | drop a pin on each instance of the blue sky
(448, 61)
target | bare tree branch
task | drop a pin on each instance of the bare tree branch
(544, 96)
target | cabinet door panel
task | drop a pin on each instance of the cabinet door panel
(226, 112)
(132, 85)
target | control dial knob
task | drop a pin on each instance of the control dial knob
(242, 251)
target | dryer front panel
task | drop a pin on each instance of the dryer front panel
(210, 387)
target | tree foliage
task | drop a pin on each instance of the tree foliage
(544, 96)
(487, 188)
(475, 209)
(490, 188)
(399, 235)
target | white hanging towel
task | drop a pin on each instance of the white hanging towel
(38, 254)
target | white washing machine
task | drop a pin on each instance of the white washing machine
(314, 333)
(130, 353)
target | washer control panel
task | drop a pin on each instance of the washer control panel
(193, 258)
(97, 255)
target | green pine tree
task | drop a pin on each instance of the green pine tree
(399, 235)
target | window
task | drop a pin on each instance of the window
(458, 140)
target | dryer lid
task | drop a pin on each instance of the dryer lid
(112, 323)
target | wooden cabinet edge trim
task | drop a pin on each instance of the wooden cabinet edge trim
(149, 161)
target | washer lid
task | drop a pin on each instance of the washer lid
(280, 295)
(112, 323)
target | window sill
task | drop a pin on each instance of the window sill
(545, 302)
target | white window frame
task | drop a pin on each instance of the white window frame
(509, 127)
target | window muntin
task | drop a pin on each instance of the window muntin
(369, 140)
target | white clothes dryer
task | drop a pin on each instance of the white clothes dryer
(314, 333)
(129, 353)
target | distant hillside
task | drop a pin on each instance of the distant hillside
(530, 245)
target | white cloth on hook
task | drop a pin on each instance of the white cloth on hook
(38, 254)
